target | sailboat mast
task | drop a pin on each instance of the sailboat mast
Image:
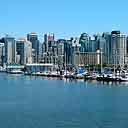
(101, 61)
(65, 60)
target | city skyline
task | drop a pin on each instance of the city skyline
(55, 51)
(41, 35)
(65, 18)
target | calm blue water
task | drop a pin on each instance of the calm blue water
(30, 102)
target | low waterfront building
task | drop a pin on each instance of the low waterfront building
(11, 67)
(30, 68)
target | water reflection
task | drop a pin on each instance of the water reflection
(9, 77)
(113, 83)
(52, 102)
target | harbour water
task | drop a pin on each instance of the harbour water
(37, 102)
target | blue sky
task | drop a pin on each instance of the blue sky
(65, 18)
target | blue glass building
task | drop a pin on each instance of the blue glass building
(33, 38)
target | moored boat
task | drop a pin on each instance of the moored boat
(15, 72)
(2, 69)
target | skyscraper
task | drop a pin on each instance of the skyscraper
(68, 51)
(49, 49)
(75, 50)
(48, 42)
(107, 47)
(100, 44)
(10, 50)
(60, 52)
(85, 42)
(33, 38)
(60, 46)
(24, 50)
(118, 48)
(1, 53)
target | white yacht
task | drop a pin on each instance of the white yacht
(16, 72)
(2, 69)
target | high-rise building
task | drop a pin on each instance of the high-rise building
(50, 49)
(100, 44)
(60, 52)
(60, 47)
(88, 44)
(10, 50)
(33, 38)
(45, 44)
(107, 47)
(40, 52)
(1, 53)
(75, 50)
(118, 48)
(68, 51)
(24, 51)
(48, 42)
(127, 45)
(85, 42)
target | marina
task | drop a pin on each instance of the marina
(48, 70)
